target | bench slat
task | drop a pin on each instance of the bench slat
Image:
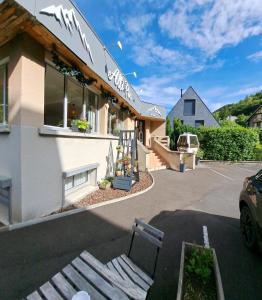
(136, 269)
(120, 270)
(111, 267)
(127, 287)
(34, 296)
(147, 236)
(108, 290)
(49, 292)
(81, 283)
(136, 279)
(154, 231)
(64, 286)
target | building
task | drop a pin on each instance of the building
(255, 120)
(191, 110)
(55, 69)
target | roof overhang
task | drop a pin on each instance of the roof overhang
(61, 22)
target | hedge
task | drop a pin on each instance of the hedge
(226, 143)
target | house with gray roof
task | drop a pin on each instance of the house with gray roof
(192, 110)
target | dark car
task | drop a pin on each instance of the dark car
(250, 204)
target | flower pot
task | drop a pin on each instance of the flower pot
(186, 248)
(118, 173)
(83, 130)
(182, 167)
(74, 128)
(105, 186)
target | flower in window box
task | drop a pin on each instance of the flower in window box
(81, 125)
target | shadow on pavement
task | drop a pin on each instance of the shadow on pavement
(241, 270)
(32, 255)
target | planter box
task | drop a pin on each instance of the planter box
(219, 287)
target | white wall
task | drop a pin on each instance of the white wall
(43, 161)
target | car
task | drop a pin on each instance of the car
(250, 205)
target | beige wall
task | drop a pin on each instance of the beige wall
(173, 158)
(158, 128)
(35, 163)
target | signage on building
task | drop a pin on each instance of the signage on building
(154, 111)
(120, 82)
(68, 17)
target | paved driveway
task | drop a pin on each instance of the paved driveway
(179, 204)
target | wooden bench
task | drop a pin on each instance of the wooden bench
(118, 279)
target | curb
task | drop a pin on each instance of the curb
(231, 161)
(75, 211)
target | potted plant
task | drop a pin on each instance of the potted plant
(199, 155)
(104, 184)
(126, 160)
(199, 276)
(81, 125)
(116, 132)
(120, 148)
(118, 172)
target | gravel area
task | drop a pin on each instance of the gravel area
(109, 194)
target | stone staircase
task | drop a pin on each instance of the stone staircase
(155, 161)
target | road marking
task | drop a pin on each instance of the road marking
(218, 173)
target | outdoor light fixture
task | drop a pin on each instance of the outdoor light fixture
(132, 73)
(119, 44)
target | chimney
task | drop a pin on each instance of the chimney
(181, 92)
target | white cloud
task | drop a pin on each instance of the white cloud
(210, 25)
(158, 90)
(138, 24)
(255, 56)
(246, 91)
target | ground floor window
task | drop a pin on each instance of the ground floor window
(76, 181)
(116, 119)
(199, 123)
(3, 95)
(66, 100)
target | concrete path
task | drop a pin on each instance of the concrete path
(179, 204)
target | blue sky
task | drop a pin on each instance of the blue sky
(213, 45)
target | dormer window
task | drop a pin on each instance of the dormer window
(189, 107)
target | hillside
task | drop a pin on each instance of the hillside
(244, 107)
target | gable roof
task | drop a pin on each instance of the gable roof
(260, 106)
(190, 88)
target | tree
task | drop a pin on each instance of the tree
(242, 120)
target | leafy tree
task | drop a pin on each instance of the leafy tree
(242, 120)
(244, 107)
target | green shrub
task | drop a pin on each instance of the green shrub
(228, 143)
(258, 152)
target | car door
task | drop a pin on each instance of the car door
(257, 184)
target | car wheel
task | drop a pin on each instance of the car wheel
(248, 228)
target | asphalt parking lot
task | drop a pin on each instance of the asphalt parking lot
(179, 204)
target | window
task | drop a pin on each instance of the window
(199, 123)
(92, 107)
(116, 121)
(189, 107)
(74, 100)
(66, 100)
(193, 142)
(76, 181)
(3, 95)
(54, 97)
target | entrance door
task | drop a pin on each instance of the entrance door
(140, 129)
